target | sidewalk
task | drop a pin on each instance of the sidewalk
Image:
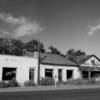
(44, 88)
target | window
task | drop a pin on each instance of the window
(69, 74)
(31, 74)
(9, 74)
(85, 74)
(49, 73)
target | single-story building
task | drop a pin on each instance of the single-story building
(90, 66)
(24, 68)
(60, 68)
(18, 67)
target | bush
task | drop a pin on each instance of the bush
(13, 83)
(80, 82)
(29, 83)
(92, 81)
(47, 81)
(3, 84)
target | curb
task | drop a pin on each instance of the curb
(48, 88)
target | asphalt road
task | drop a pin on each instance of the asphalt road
(83, 94)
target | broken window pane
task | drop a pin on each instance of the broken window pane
(49, 73)
(9, 73)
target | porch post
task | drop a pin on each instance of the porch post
(81, 74)
(89, 75)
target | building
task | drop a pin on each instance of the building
(24, 68)
(60, 68)
(90, 66)
(18, 67)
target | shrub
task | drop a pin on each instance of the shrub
(47, 81)
(29, 83)
(80, 82)
(13, 83)
(92, 81)
(3, 84)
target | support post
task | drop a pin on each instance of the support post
(38, 61)
(89, 76)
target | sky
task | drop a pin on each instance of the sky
(64, 24)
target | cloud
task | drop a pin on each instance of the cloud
(10, 19)
(94, 29)
(23, 25)
(27, 29)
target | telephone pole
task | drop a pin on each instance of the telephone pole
(38, 61)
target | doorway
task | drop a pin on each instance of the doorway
(69, 74)
(59, 74)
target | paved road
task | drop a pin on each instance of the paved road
(82, 94)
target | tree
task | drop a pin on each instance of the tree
(54, 50)
(17, 47)
(80, 53)
(32, 46)
(70, 52)
(41, 48)
(11, 46)
(75, 55)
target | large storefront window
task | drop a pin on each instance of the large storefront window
(49, 73)
(9, 74)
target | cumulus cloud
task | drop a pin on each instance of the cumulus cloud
(94, 29)
(10, 19)
(23, 25)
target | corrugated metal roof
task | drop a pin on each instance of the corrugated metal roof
(55, 59)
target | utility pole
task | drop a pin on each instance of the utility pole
(38, 79)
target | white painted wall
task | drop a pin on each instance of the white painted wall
(21, 63)
(76, 73)
(88, 62)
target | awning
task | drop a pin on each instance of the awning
(89, 68)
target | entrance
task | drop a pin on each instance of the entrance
(85, 74)
(31, 74)
(95, 74)
(59, 74)
(69, 74)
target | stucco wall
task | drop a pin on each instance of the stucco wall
(76, 73)
(21, 63)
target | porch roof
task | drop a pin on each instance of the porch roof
(87, 68)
